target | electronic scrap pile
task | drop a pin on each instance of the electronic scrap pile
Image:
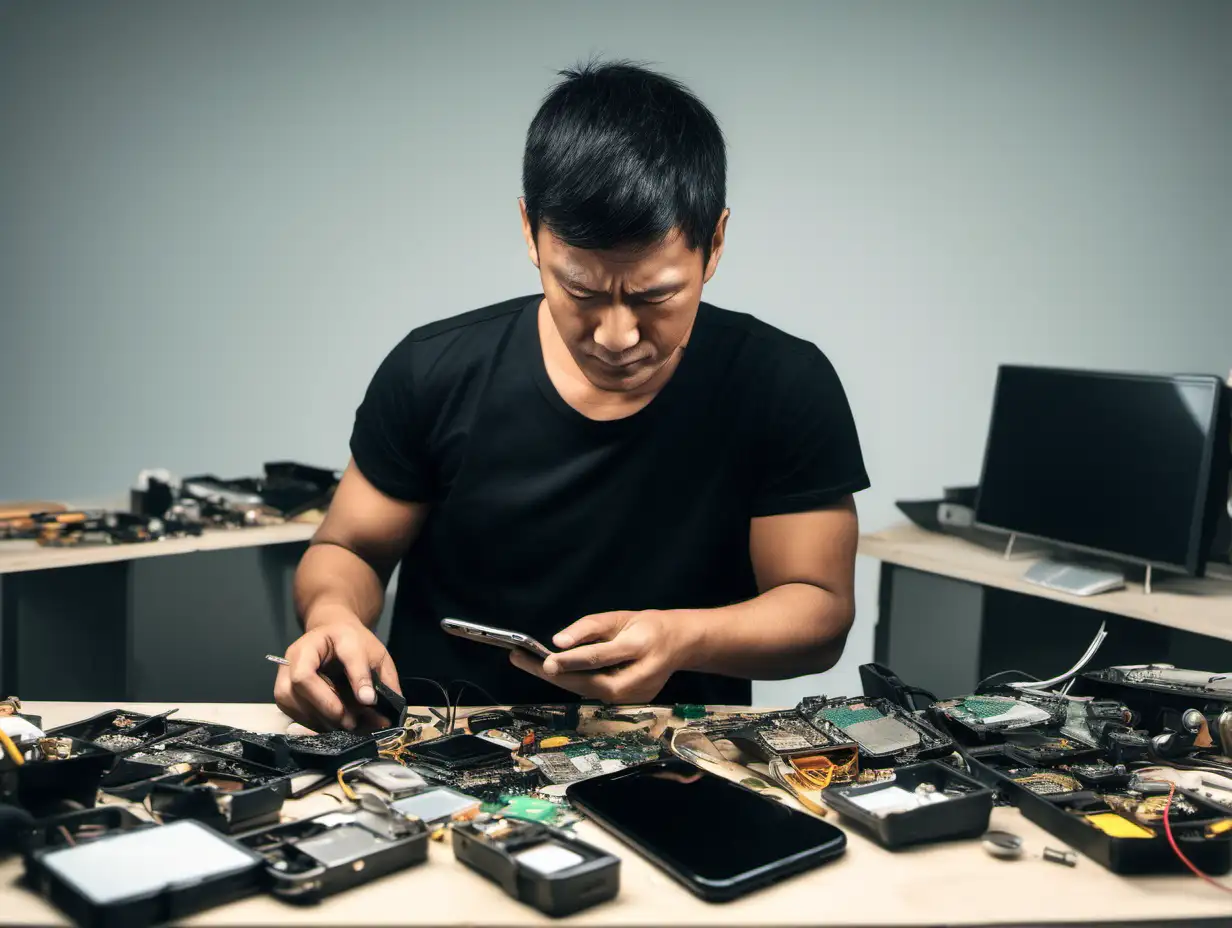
(1132, 766)
(496, 789)
(164, 506)
(1129, 766)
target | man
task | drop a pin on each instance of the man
(659, 488)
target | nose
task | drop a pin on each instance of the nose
(617, 331)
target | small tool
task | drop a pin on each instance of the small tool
(388, 703)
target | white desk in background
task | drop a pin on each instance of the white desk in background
(952, 611)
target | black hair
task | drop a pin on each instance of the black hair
(620, 155)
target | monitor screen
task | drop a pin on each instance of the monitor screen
(1113, 463)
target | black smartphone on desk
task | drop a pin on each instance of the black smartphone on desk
(717, 838)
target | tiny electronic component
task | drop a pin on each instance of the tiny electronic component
(689, 711)
(1128, 747)
(55, 748)
(436, 805)
(1117, 826)
(546, 868)
(1002, 844)
(1055, 856)
(1044, 782)
(530, 809)
(391, 777)
(1100, 774)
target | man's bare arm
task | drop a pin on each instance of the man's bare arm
(805, 566)
(339, 592)
(351, 556)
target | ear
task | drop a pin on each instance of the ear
(531, 248)
(716, 246)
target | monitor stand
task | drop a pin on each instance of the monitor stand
(1075, 579)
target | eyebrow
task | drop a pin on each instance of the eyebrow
(660, 290)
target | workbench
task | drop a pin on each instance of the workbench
(135, 621)
(951, 884)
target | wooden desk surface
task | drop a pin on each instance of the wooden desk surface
(20, 556)
(1203, 606)
(954, 884)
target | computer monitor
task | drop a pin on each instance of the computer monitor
(1114, 464)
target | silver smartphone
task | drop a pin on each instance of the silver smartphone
(501, 637)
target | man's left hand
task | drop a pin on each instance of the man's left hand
(617, 657)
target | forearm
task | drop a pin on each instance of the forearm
(788, 631)
(333, 581)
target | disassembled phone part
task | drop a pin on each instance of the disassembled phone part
(317, 857)
(544, 867)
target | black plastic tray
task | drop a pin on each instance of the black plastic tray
(329, 751)
(1120, 855)
(40, 786)
(960, 817)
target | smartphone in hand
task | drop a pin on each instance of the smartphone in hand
(501, 637)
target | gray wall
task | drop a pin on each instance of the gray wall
(215, 218)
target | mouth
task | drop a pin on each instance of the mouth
(620, 367)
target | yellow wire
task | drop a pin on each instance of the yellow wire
(10, 748)
(346, 790)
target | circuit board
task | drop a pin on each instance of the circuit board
(771, 734)
(885, 733)
(582, 758)
(1002, 713)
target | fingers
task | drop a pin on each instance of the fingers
(593, 656)
(353, 657)
(296, 708)
(598, 627)
(310, 693)
(524, 660)
(635, 683)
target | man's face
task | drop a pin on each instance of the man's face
(624, 312)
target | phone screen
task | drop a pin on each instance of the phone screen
(704, 828)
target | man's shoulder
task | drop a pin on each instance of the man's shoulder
(758, 341)
(484, 323)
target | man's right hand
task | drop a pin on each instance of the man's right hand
(336, 645)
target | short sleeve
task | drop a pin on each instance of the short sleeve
(809, 454)
(387, 441)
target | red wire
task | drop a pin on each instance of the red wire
(1171, 840)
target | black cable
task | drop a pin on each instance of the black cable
(437, 684)
(913, 691)
(453, 715)
(1021, 675)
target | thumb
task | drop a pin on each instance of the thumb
(601, 626)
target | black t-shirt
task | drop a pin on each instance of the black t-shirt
(539, 515)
